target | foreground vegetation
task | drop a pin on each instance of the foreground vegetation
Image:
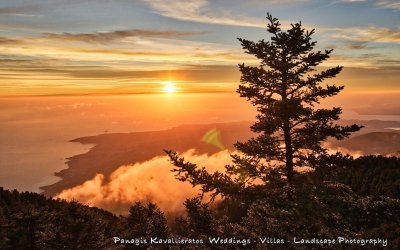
(364, 206)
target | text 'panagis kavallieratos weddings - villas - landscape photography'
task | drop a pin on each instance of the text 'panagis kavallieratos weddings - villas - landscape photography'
(200, 124)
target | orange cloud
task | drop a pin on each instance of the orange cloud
(151, 180)
(105, 37)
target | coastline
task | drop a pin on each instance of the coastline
(112, 150)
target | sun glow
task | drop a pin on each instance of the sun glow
(169, 87)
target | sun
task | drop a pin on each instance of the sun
(169, 87)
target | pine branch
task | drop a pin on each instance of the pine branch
(216, 183)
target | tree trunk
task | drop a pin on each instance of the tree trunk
(286, 130)
(289, 158)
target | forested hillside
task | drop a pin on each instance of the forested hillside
(324, 209)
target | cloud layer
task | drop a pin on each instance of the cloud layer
(93, 46)
(106, 37)
(200, 11)
(151, 180)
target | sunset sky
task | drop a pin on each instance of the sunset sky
(58, 47)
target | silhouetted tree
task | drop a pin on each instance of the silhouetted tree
(284, 88)
(143, 222)
(147, 221)
(199, 221)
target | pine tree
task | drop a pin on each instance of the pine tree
(146, 220)
(290, 128)
(285, 88)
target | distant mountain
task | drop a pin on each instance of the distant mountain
(372, 143)
(372, 126)
(116, 149)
